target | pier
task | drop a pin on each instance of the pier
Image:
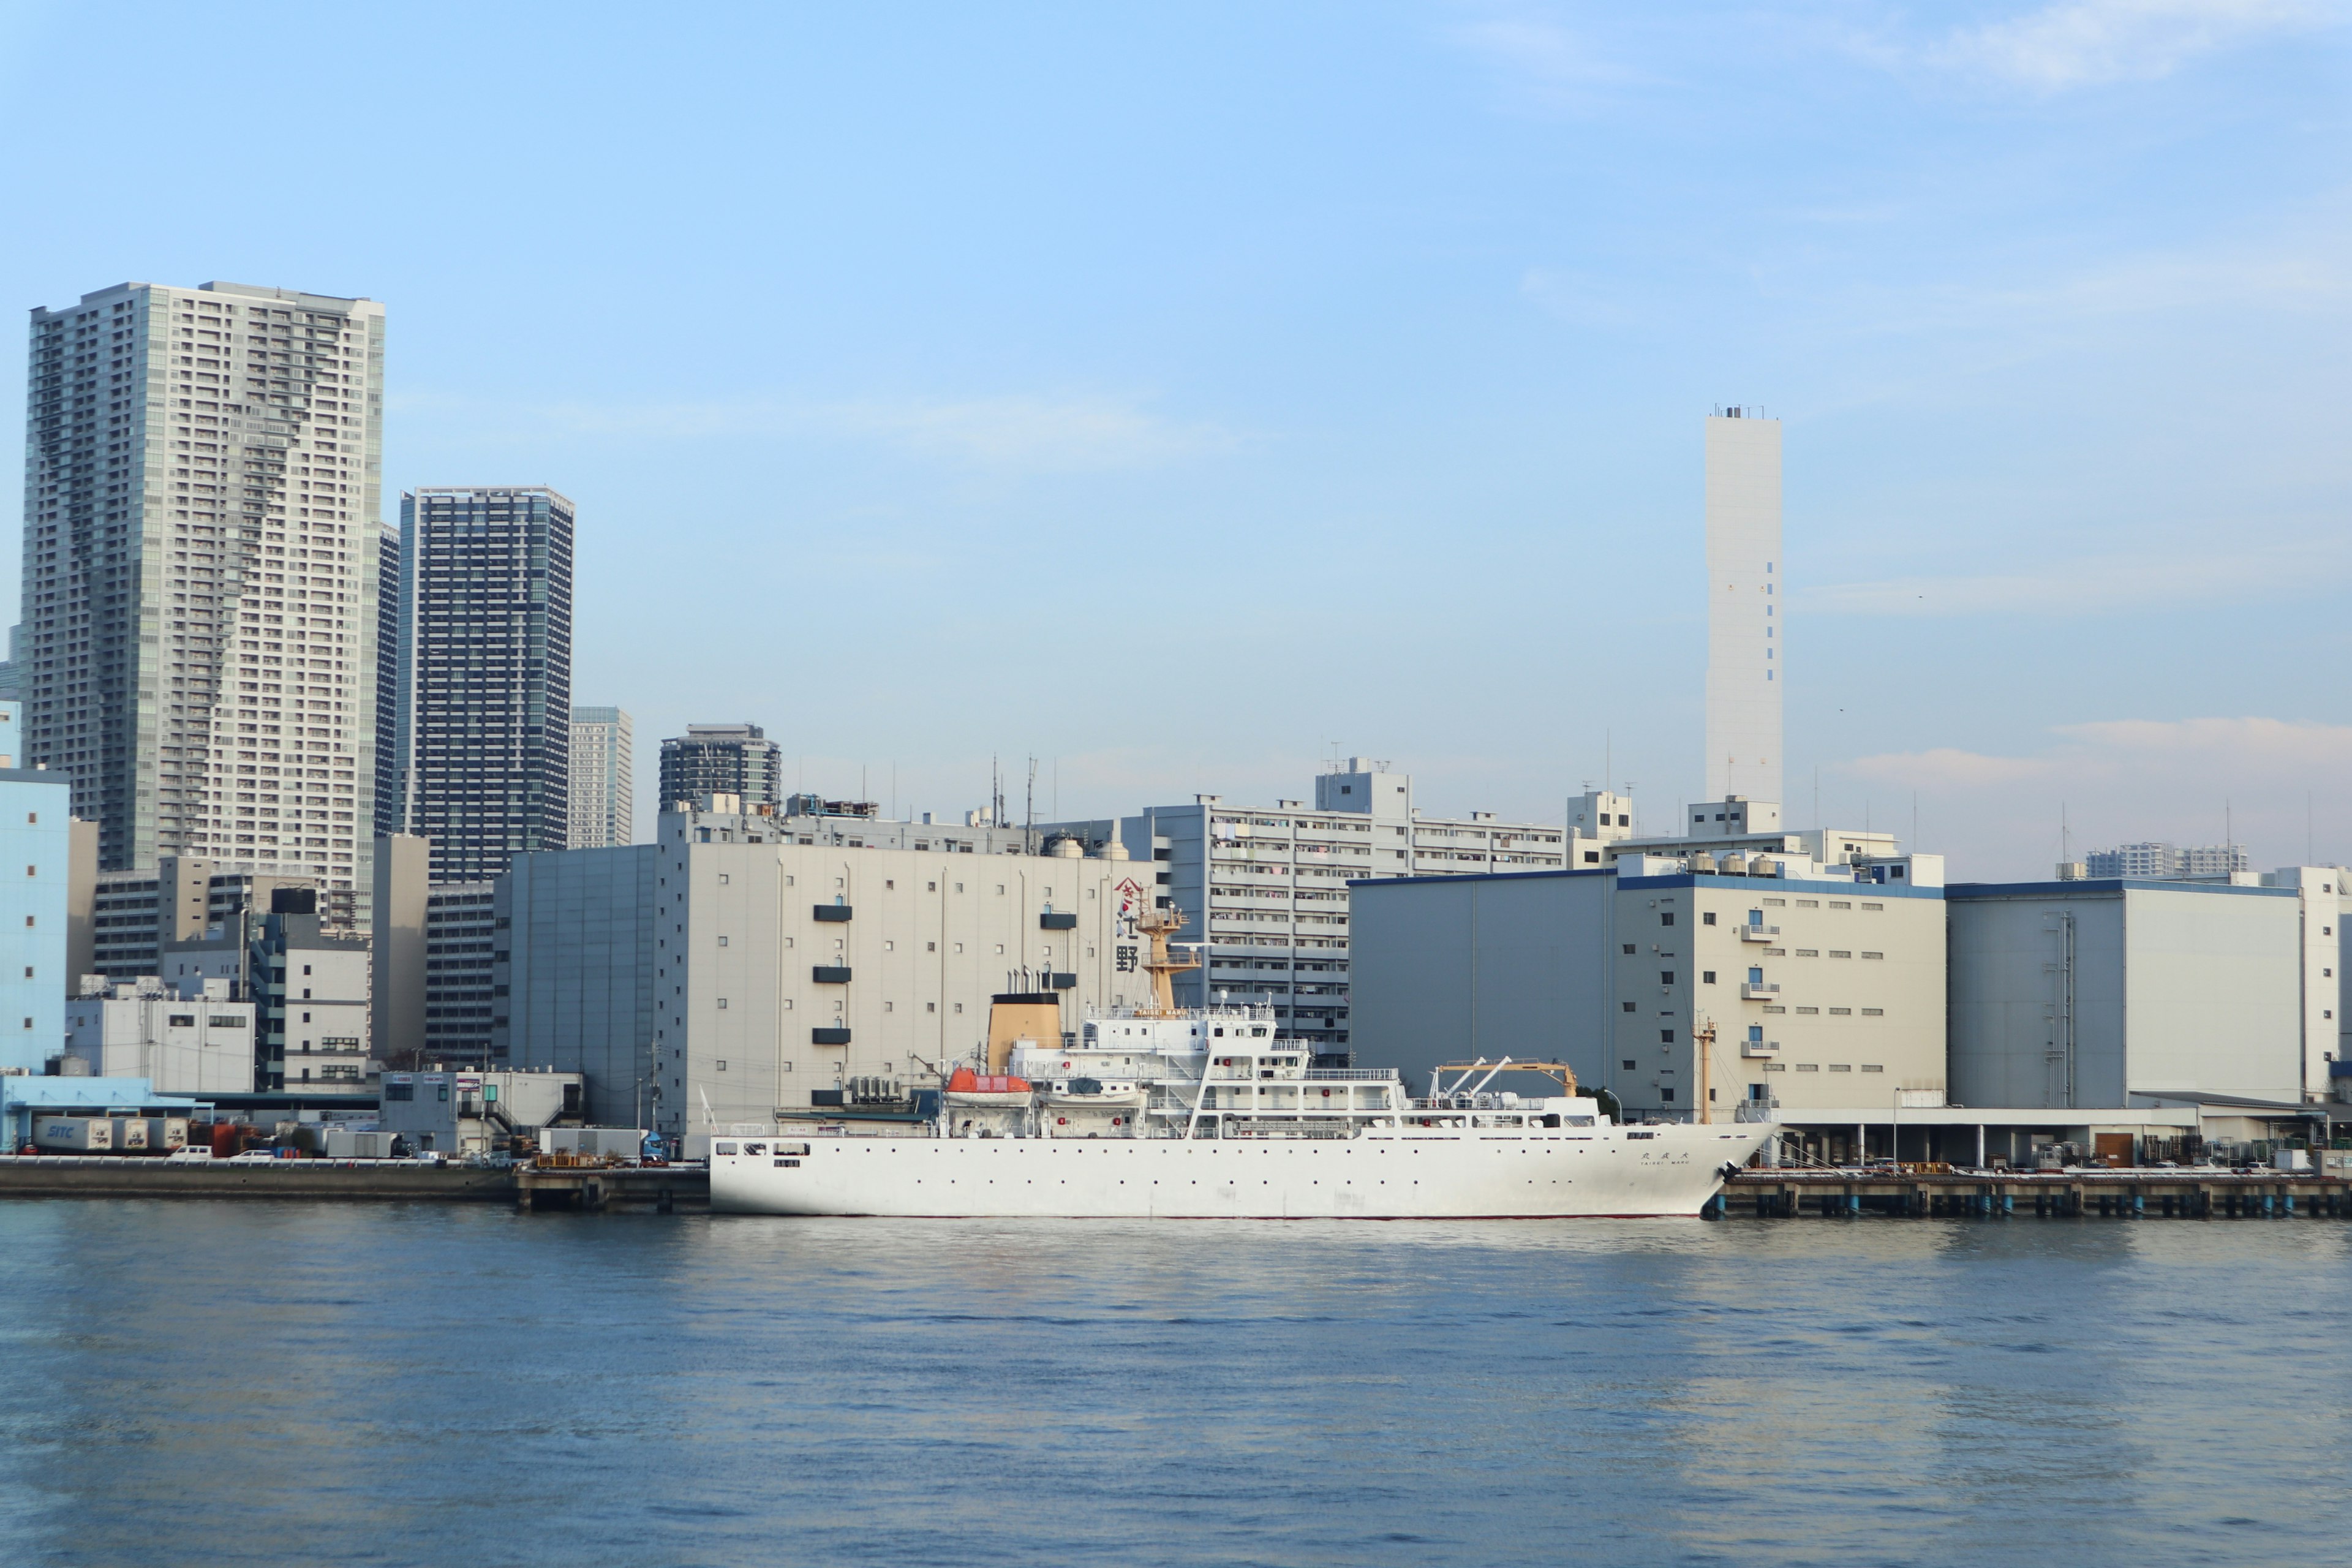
(594, 1189)
(2187, 1193)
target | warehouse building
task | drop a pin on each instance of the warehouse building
(2118, 992)
(722, 974)
(1742, 987)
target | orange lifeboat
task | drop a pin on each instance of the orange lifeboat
(966, 1087)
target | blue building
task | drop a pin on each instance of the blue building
(36, 811)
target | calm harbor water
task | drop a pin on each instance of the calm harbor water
(308, 1384)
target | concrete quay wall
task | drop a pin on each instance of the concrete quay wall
(2143, 1193)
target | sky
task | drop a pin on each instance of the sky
(1184, 396)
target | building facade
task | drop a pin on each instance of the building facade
(137, 917)
(193, 1041)
(725, 972)
(202, 489)
(722, 759)
(36, 807)
(2157, 860)
(481, 723)
(1743, 621)
(1685, 993)
(604, 779)
(2115, 992)
(460, 947)
(1265, 888)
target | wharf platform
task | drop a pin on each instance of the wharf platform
(2142, 1193)
(658, 1189)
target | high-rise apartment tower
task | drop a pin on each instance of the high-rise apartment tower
(604, 771)
(481, 724)
(201, 520)
(721, 759)
(1743, 622)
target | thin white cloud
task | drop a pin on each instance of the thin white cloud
(1542, 63)
(2276, 786)
(2090, 42)
(2094, 584)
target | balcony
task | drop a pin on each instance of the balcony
(834, 912)
(1753, 991)
(829, 1037)
(1049, 921)
(1759, 1047)
(1758, 934)
(830, 975)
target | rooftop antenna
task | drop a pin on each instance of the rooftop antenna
(2065, 838)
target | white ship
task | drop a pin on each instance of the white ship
(1208, 1114)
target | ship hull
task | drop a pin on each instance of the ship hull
(1610, 1173)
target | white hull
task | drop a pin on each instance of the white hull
(1412, 1173)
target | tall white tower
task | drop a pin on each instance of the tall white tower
(1743, 621)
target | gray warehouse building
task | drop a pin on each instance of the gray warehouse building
(2109, 993)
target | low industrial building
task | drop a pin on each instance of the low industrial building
(472, 1112)
(193, 1040)
(726, 971)
(1745, 985)
(25, 1096)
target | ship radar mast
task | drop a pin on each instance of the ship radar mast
(1157, 926)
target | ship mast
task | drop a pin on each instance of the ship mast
(1157, 926)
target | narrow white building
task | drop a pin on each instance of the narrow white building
(1745, 657)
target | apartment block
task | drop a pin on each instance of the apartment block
(604, 779)
(2161, 861)
(722, 759)
(481, 723)
(197, 650)
(137, 916)
(1264, 890)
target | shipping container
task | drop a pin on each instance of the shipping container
(130, 1134)
(73, 1134)
(344, 1144)
(166, 1133)
(595, 1142)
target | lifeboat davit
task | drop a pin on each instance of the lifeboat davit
(966, 1087)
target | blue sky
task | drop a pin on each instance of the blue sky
(1178, 394)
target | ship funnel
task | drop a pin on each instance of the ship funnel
(1016, 1016)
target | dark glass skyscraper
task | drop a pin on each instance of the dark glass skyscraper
(480, 735)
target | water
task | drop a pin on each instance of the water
(441, 1385)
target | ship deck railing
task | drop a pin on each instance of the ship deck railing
(1350, 1075)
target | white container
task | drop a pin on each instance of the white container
(166, 1133)
(130, 1134)
(73, 1134)
(2290, 1159)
